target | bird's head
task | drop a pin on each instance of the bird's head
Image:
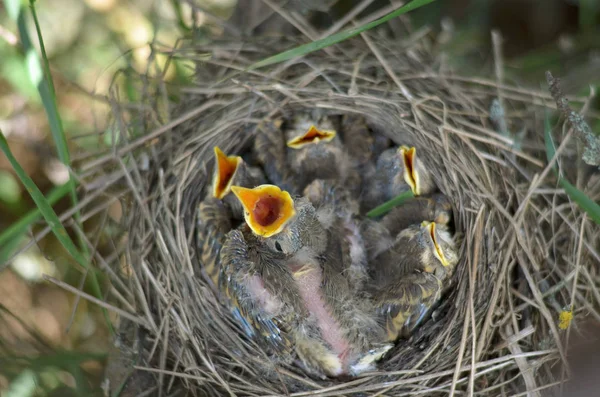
(284, 224)
(443, 209)
(310, 135)
(440, 244)
(411, 173)
(226, 168)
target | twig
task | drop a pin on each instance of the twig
(100, 303)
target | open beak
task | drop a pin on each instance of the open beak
(313, 135)
(409, 156)
(225, 169)
(267, 208)
(438, 252)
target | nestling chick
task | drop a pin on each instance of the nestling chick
(256, 282)
(411, 274)
(213, 223)
(379, 235)
(332, 194)
(316, 152)
(337, 209)
(363, 144)
(285, 225)
(357, 138)
(233, 170)
(270, 151)
(333, 332)
(435, 208)
(397, 171)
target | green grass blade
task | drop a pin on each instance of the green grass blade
(48, 95)
(32, 216)
(583, 201)
(50, 216)
(587, 204)
(179, 16)
(336, 38)
(46, 89)
(387, 206)
(39, 74)
(17, 229)
(43, 205)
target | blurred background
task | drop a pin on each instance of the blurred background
(89, 41)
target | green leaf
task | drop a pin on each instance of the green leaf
(583, 201)
(43, 205)
(24, 385)
(387, 206)
(39, 75)
(587, 204)
(51, 218)
(336, 38)
(10, 238)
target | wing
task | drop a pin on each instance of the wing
(404, 303)
(214, 221)
(252, 304)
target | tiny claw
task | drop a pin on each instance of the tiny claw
(267, 208)
(225, 169)
(312, 135)
(411, 176)
(439, 253)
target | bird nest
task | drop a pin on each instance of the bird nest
(498, 328)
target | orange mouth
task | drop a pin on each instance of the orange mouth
(313, 135)
(267, 208)
(225, 169)
(439, 253)
(409, 156)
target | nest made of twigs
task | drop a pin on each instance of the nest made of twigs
(497, 331)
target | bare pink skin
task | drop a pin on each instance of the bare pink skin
(309, 286)
(268, 302)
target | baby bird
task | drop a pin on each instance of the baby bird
(216, 211)
(316, 152)
(233, 170)
(332, 194)
(338, 210)
(270, 151)
(410, 276)
(379, 235)
(358, 140)
(435, 208)
(213, 223)
(251, 275)
(362, 143)
(301, 285)
(397, 171)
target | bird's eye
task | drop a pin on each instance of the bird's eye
(278, 246)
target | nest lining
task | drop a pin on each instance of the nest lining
(495, 332)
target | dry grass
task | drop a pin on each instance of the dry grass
(527, 251)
